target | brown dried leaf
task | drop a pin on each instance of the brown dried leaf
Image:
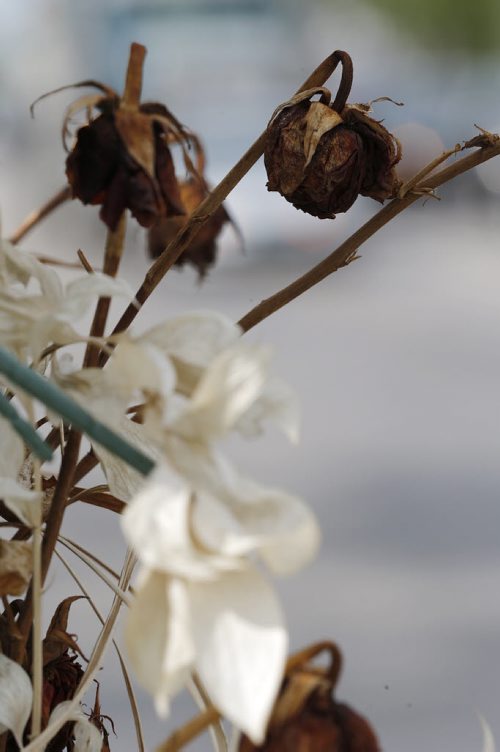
(15, 567)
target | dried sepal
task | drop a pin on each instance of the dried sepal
(306, 715)
(321, 156)
(15, 567)
(57, 639)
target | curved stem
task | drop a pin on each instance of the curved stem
(345, 82)
(346, 252)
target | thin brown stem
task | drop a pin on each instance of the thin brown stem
(133, 81)
(345, 82)
(53, 527)
(345, 253)
(205, 210)
(190, 731)
(36, 216)
(112, 257)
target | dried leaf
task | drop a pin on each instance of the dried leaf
(15, 567)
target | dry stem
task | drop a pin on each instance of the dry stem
(36, 216)
(345, 253)
(190, 730)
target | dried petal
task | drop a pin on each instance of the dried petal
(15, 567)
(202, 250)
(121, 160)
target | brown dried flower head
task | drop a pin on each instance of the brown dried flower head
(320, 156)
(121, 159)
(306, 715)
(202, 251)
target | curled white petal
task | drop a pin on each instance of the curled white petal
(235, 516)
(241, 647)
(226, 390)
(16, 697)
(157, 526)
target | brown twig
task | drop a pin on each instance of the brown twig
(207, 207)
(112, 256)
(36, 216)
(190, 730)
(345, 253)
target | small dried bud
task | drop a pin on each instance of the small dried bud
(202, 251)
(307, 717)
(320, 157)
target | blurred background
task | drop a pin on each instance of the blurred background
(396, 359)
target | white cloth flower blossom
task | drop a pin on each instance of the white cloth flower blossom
(199, 529)
(36, 309)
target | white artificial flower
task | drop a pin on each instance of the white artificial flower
(199, 529)
(37, 310)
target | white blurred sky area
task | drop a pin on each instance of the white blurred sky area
(396, 359)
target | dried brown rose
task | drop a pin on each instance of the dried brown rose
(202, 251)
(321, 156)
(122, 160)
(306, 715)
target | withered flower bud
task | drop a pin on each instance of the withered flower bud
(306, 715)
(202, 251)
(321, 156)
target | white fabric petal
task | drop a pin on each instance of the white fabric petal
(157, 525)
(123, 481)
(21, 501)
(278, 404)
(83, 290)
(245, 516)
(158, 637)
(16, 697)
(194, 338)
(226, 390)
(241, 647)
